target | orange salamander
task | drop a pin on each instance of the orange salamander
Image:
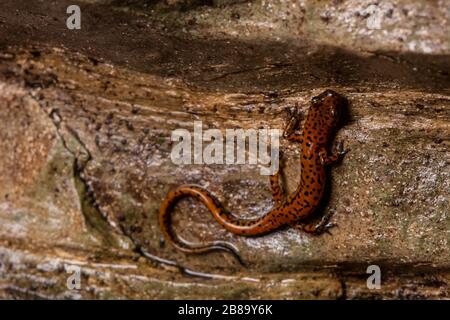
(319, 128)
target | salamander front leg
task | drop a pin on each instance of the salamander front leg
(289, 132)
(337, 154)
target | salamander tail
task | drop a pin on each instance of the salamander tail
(181, 244)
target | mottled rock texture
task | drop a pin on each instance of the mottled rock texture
(86, 118)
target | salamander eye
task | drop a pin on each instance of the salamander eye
(333, 112)
(315, 101)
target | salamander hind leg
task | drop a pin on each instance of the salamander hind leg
(278, 194)
(324, 225)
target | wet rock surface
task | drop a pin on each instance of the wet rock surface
(86, 123)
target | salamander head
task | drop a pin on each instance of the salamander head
(328, 106)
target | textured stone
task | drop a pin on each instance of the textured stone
(85, 164)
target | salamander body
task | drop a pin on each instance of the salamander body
(318, 132)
